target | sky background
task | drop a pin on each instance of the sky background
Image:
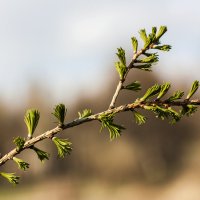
(68, 46)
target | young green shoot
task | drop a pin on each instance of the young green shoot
(10, 177)
(31, 119)
(85, 113)
(63, 146)
(60, 113)
(42, 155)
(21, 164)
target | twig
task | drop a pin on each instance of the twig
(120, 84)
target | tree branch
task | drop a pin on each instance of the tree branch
(127, 107)
(162, 108)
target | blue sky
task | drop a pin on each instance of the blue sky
(67, 46)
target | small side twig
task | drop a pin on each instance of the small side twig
(121, 81)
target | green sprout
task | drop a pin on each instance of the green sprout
(135, 86)
(60, 113)
(134, 44)
(155, 89)
(164, 113)
(193, 89)
(31, 119)
(161, 32)
(19, 142)
(85, 113)
(121, 69)
(164, 47)
(188, 110)
(107, 122)
(21, 164)
(139, 118)
(176, 96)
(163, 90)
(121, 55)
(143, 35)
(42, 155)
(151, 58)
(160, 112)
(63, 146)
(10, 177)
(145, 67)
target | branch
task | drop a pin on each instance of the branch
(163, 109)
(127, 107)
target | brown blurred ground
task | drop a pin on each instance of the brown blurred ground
(153, 161)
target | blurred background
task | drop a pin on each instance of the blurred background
(64, 51)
